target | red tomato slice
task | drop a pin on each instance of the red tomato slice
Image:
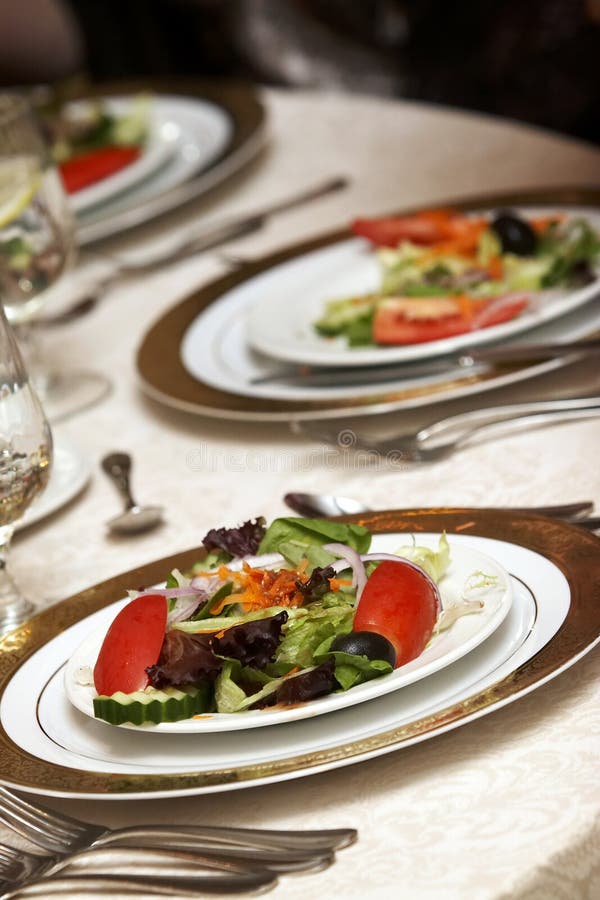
(86, 168)
(399, 602)
(132, 643)
(392, 231)
(417, 320)
(428, 228)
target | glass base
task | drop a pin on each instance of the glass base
(15, 615)
(14, 608)
(63, 394)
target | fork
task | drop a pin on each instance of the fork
(61, 834)
(416, 448)
(167, 873)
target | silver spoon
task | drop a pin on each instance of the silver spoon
(135, 518)
(315, 505)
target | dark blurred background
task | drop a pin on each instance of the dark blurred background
(532, 60)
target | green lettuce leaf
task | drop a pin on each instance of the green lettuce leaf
(297, 538)
(322, 621)
(435, 562)
(216, 623)
(228, 695)
(351, 670)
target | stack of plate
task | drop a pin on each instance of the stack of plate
(196, 140)
(53, 746)
(245, 347)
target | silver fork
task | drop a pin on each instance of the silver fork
(281, 850)
(167, 873)
(442, 438)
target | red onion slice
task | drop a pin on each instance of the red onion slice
(481, 319)
(185, 606)
(349, 557)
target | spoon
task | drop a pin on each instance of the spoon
(135, 518)
(315, 505)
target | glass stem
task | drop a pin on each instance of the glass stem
(30, 345)
(14, 607)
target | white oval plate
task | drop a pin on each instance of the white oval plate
(288, 299)
(162, 142)
(214, 350)
(69, 475)
(443, 649)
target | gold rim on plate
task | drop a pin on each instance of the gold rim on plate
(171, 384)
(573, 550)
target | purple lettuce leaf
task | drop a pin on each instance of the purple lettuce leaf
(184, 659)
(252, 643)
(303, 687)
(317, 585)
(241, 541)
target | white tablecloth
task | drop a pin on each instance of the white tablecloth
(504, 807)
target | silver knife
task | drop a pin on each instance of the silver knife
(467, 360)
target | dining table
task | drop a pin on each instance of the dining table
(506, 806)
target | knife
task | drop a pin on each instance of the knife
(469, 359)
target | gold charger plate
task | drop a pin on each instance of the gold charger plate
(171, 384)
(572, 550)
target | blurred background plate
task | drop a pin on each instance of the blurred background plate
(222, 129)
(163, 141)
(285, 302)
(223, 391)
(215, 351)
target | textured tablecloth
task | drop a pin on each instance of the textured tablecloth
(505, 807)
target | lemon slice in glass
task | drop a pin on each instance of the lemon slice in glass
(19, 181)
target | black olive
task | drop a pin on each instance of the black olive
(365, 643)
(515, 235)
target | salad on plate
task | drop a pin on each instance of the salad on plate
(444, 273)
(272, 618)
(93, 140)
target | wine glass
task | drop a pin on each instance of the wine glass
(25, 459)
(37, 246)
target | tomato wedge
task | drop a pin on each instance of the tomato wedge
(417, 320)
(428, 228)
(132, 643)
(400, 602)
(86, 168)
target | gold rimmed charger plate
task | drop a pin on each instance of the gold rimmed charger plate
(572, 550)
(169, 382)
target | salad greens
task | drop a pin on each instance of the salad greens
(73, 130)
(456, 269)
(259, 629)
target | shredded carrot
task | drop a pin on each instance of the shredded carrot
(541, 224)
(495, 268)
(336, 583)
(256, 589)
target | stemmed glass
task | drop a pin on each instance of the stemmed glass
(37, 245)
(25, 460)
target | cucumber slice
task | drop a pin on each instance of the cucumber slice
(153, 706)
